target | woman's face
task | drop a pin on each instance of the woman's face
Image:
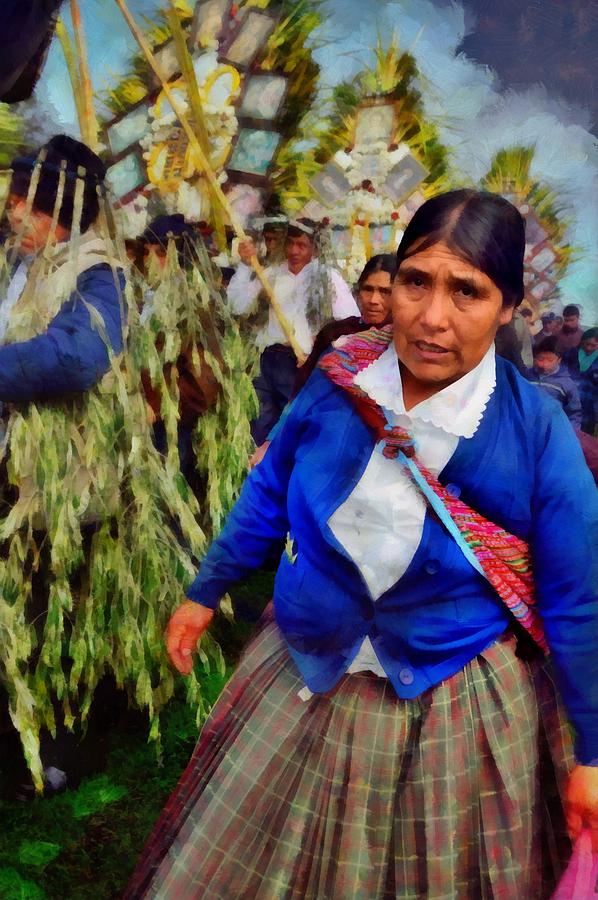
(446, 314)
(375, 298)
(590, 345)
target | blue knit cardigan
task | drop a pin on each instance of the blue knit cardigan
(523, 469)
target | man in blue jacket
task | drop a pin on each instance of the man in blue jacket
(71, 354)
(60, 319)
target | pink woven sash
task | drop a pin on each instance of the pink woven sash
(504, 558)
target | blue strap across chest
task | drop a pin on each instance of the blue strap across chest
(436, 503)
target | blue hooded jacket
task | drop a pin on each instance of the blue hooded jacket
(71, 355)
(562, 388)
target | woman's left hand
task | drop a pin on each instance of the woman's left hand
(581, 802)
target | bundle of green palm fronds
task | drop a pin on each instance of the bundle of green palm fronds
(99, 539)
(11, 136)
(189, 310)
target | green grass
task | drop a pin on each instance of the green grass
(83, 844)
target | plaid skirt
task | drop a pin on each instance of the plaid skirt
(359, 795)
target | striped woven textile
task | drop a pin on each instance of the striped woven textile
(504, 558)
(359, 795)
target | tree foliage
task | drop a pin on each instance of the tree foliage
(100, 536)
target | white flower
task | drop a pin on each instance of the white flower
(343, 159)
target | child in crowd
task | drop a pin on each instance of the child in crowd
(550, 374)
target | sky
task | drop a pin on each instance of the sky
(493, 74)
(110, 46)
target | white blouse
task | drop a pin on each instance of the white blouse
(381, 523)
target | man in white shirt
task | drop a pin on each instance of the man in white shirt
(304, 287)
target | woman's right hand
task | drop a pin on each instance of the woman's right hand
(187, 623)
(247, 250)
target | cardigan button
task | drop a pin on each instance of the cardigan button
(406, 676)
(432, 567)
(454, 490)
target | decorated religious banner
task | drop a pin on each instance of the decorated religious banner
(547, 253)
(374, 164)
(240, 58)
(364, 188)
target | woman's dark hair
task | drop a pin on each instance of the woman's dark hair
(589, 334)
(483, 229)
(382, 262)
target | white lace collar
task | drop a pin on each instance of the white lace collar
(457, 409)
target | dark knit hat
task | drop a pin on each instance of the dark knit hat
(61, 151)
(548, 345)
(161, 229)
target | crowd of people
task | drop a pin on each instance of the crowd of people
(554, 352)
(416, 600)
(566, 363)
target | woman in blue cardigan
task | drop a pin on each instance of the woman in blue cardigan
(396, 732)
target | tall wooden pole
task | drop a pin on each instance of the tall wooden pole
(210, 175)
(71, 65)
(89, 130)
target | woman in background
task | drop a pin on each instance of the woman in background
(374, 298)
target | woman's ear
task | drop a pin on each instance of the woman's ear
(506, 314)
